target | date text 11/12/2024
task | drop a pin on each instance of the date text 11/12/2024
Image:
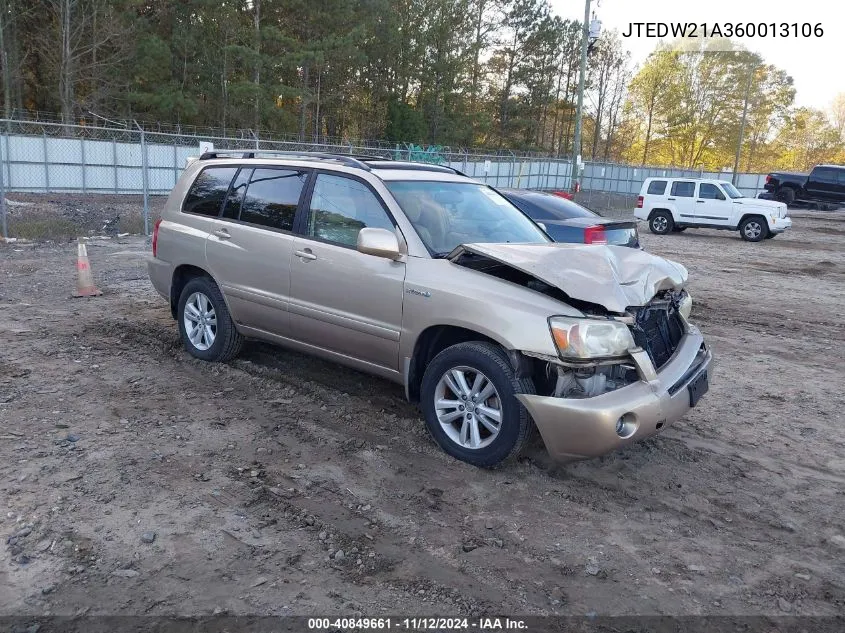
(487, 624)
(723, 29)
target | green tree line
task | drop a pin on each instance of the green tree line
(462, 73)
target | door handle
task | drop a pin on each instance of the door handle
(670, 198)
(223, 234)
(306, 254)
(699, 201)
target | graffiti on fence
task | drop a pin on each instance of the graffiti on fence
(432, 154)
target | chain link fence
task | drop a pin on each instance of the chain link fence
(52, 157)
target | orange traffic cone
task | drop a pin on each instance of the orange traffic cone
(84, 280)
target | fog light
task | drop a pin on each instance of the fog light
(626, 426)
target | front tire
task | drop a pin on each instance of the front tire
(206, 328)
(661, 223)
(468, 397)
(754, 228)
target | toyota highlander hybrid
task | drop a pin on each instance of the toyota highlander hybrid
(423, 276)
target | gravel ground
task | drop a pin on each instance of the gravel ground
(137, 480)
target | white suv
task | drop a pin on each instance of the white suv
(675, 204)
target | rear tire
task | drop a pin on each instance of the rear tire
(459, 421)
(661, 223)
(212, 335)
(753, 228)
(787, 194)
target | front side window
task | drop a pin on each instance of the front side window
(272, 197)
(683, 189)
(657, 187)
(341, 207)
(706, 191)
(448, 214)
(208, 191)
(825, 175)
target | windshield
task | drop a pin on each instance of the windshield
(732, 191)
(448, 214)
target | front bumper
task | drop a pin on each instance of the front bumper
(779, 225)
(579, 428)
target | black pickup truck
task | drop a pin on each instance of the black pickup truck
(825, 185)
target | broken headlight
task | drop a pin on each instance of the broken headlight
(685, 305)
(588, 339)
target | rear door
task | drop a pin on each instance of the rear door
(249, 250)
(342, 300)
(682, 196)
(712, 206)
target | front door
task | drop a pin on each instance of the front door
(342, 300)
(249, 250)
(712, 206)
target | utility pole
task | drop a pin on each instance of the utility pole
(576, 139)
(742, 123)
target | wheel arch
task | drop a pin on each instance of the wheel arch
(656, 209)
(752, 214)
(182, 274)
(433, 340)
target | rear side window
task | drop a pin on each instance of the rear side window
(272, 198)
(683, 189)
(208, 191)
(707, 191)
(232, 206)
(656, 187)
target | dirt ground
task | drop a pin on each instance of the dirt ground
(136, 480)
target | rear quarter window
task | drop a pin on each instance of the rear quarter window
(208, 191)
(656, 188)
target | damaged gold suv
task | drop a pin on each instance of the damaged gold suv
(421, 275)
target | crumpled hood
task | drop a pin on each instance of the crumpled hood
(614, 277)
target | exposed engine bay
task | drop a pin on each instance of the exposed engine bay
(656, 327)
(641, 290)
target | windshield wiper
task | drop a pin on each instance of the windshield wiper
(441, 255)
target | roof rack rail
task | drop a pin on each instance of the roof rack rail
(349, 161)
(412, 166)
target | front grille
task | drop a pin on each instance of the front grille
(658, 330)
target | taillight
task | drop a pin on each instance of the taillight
(155, 236)
(595, 235)
(639, 202)
(768, 178)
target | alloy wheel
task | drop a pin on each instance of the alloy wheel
(200, 321)
(468, 407)
(752, 230)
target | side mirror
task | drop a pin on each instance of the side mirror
(378, 242)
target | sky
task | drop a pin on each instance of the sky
(813, 62)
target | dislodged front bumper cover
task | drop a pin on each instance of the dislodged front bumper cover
(577, 428)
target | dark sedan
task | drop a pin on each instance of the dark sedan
(566, 221)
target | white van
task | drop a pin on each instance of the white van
(674, 204)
